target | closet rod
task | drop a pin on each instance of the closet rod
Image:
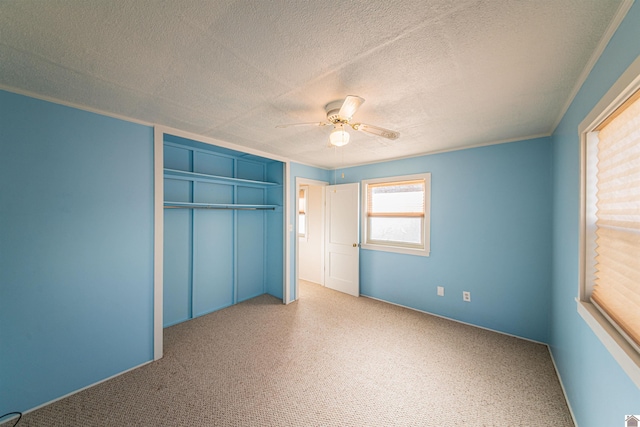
(220, 207)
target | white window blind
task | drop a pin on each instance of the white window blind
(396, 199)
(616, 290)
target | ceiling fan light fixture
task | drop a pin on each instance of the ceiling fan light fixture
(339, 114)
(339, 136)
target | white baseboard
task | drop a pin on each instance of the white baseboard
(85, 387)
(454, 320)
(564, 391)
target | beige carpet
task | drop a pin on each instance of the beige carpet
(327, 360)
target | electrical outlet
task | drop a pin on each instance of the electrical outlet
(440, 291)
(466, 296)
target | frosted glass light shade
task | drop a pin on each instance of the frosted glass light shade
(339, 136)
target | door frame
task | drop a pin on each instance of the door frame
(315, 183)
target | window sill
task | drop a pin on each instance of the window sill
(620, 349)
(396, 249)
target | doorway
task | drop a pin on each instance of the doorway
(310, 223)
(327, 236)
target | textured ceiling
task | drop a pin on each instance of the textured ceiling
(445, 74)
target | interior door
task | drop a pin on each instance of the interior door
(342, 242)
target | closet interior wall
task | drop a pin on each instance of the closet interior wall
(223, 228)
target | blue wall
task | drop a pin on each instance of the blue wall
(275, 271)
(490, 235)
(600, 393)
(76, 249)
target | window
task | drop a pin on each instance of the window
(396, 214)
(613, 171)
(609, 294)
(302, 212)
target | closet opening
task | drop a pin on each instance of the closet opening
(221, 227)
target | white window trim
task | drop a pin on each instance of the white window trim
(622, 351)
(427, 216)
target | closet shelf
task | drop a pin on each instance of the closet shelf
(186, 205)
(195, 176)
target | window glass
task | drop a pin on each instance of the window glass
(302, 212)
(401, 230)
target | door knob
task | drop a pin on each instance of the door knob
(355, 245)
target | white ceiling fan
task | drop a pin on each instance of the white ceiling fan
(339, 114)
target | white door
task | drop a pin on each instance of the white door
(342, 243)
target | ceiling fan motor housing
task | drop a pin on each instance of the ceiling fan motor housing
(333, 110)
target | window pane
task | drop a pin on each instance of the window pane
(302, 224)
(398, 230)
(302, 201)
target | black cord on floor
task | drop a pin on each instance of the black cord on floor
(19, 414)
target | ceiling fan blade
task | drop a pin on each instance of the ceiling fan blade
(303, 124)
(350, 106)
(375, 130)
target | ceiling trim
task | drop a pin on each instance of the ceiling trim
(220, 143)
(429, 153)
(159, 127)
(595, 56)
(213, 141)
(72, 105)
